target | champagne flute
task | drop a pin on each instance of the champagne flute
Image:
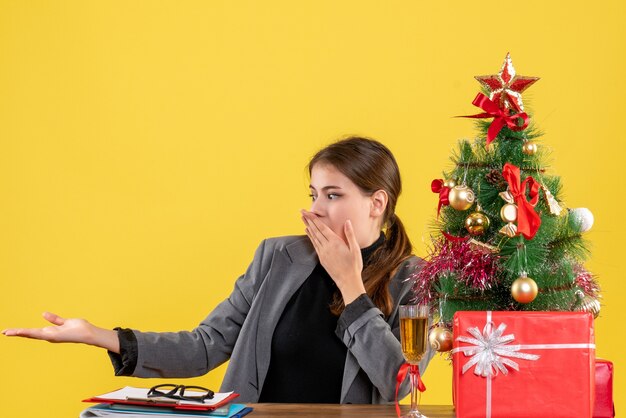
(413, 337)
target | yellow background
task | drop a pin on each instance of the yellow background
(147, 147)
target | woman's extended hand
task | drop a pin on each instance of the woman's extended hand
(71, 330)
(342, 261)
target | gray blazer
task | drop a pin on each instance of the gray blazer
(241, 327)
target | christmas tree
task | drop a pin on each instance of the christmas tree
(502, 238)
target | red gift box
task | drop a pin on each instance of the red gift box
(523, 364)
(604, 407)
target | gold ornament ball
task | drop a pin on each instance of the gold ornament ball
(449, 183)
(461, 197)
(529, 148)
(524, 290)
(508, 213)
(476, 223)
(440, 339)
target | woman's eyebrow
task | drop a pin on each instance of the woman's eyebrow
(325, 188)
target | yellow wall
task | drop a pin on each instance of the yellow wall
(147, 147)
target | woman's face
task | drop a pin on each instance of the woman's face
(335, 199)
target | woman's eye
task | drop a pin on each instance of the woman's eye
(312, 196)
(332, 196)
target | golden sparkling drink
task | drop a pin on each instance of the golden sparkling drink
(413, 336)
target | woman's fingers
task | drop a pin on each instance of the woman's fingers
(72, 330)
(309, 232)
(318, 228)
(351, 237)
(35, 333)
(313, 233)
(46, 333)
(313, 239)
(54, 318)
(323, 231)
(326, 232)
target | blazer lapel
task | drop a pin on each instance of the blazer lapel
(290, 267)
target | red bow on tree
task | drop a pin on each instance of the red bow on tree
(501, 117)
(528, 221)
(437, 187)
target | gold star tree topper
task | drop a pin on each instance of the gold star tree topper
(506, 87)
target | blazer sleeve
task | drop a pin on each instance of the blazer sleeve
(375, 341)
(196, 352)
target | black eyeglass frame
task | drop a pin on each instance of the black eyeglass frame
(155, 392)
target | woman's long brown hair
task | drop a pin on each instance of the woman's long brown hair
(371, 166)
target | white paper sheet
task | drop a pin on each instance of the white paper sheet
(142, 393)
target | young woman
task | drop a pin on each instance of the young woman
(314, 318)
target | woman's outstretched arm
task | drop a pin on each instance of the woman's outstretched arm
(71, 330)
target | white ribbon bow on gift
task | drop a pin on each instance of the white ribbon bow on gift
(489, 351)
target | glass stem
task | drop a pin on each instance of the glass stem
(414, 391)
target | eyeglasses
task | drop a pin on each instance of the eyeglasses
(171, 391)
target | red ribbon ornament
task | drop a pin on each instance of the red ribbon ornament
(404, 369)
(501, 117)
(528, 221)
(437, 187)
(453, 238)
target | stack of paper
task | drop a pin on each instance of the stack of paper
(131, 402)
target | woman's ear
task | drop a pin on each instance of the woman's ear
(379, 203)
